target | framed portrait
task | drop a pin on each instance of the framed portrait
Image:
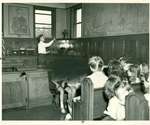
(18, 20)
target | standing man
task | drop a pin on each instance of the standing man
(42, 48)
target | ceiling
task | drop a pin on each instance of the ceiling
(56, 5)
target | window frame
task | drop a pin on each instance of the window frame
(53, 20)
(74, 21)
(78, 23)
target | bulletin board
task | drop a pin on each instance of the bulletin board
(18, 20)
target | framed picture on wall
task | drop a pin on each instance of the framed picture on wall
(18, 21)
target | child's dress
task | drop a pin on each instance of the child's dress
(115, 109)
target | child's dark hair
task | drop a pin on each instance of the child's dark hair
(111, 85)
(135, 69)
(114, 68)
(38, 38)
(123, 58)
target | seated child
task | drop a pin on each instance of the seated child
(97, 77)
(134, 74)
(61, 85)
(74, 90)
(116, 91)
(124, 64)
(115, 68)
(145, 76)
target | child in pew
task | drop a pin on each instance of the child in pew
(134, 74)
(123, 61)
(114, 67)
(145, 77)
(98, 78)
(74, 90)
(144, 74)
(61, 85)
(115, 91)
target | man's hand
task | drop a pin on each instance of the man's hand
(54, 39)
(77, 99)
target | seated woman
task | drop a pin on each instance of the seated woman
(115, 91)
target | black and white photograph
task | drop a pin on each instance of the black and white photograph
(75, 61)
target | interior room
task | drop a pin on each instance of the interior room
(47, 60)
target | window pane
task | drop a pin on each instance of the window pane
(43, 12)
(43, 19)
(42, 26)
(78, 30)
(79, 15)
(46, 32)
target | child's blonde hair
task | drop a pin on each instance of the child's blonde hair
(96, 62)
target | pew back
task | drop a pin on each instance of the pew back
(136, 107)
(92, 104)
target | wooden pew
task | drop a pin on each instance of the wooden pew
(92, 104)
(136, 106)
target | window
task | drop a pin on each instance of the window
(78, 22)
(43, 22)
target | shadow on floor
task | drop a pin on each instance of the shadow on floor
(50, 112)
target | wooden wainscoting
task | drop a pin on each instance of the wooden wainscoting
(135, 47)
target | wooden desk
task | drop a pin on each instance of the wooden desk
(30, 92)
(13, 90)
(39, 93)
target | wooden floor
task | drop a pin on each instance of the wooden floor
(50, 112)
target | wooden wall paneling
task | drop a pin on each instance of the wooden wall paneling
(95, 48)
(138, 50)
(100, 47)
(123, 47)
(107, 50)
(88, 47)
(130, 49)
(133, 46)
(142, 51)
(92, 47)
(147, 52)
(118, 48)
(82, 49)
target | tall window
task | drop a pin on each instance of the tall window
(78, 22)
(43, 22)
